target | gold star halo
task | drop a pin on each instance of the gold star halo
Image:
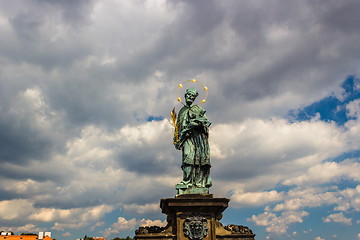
(194, 81)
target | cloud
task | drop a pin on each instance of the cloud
(123, 224)
(287, 148)
(144, 209)
(98, 224)
(296, 199)
(25, 211)
(256, 198)
(327, 172)
(278, 224)
(338, 217)
(66, 234)
(26, 228)
(28, 122)
(351, 198)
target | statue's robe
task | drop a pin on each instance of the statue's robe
(193, 130)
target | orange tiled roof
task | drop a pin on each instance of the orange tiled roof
(23, 237)
(19, 237)
(99, 238)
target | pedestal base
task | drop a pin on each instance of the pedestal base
(183, 189)
(194, 217)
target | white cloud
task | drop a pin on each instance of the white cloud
(286, 150)
(353, 109)
(142, 209)
(339, 218)
(98, 224)
(76, 218)
(327, 172)
(15, 209)
(296, 199)
(26, 228)
(123, 224)
(351, 198)
(278, 224)
(24, 210)
(66, 234)
(255, 198)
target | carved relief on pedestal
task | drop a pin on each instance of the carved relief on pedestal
(195, 227)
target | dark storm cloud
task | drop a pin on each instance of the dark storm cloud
(143, 162)
(151, 160)
(77, 200)
(35, 37)
(287, 66)
(19, 143)
(340, 17)
(26, 26)
(7, 195)
(74, 12)
(198, 18)
(196, 21)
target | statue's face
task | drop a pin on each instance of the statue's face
(190, 98)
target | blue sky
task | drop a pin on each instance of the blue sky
(86, 90)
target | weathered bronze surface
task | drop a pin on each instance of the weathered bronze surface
(191, 137)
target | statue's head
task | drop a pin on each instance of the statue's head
(190, 95)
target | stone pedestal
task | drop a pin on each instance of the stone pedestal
(194, 217)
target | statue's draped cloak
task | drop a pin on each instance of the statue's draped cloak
(194, 142)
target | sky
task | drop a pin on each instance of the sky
(86, 90)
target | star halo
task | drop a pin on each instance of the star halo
(194, 81)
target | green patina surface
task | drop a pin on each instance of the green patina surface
(184, 189)
(191, 138)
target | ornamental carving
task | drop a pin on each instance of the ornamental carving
(239, 229)
(195, 227)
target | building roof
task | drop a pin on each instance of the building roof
(23, 237)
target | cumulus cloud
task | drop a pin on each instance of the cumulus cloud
(123, 224)
(289, 150)
(25, 228)
(338, 217)
(278, 224)
(327, 172)
(296, 199)
(256, 198)
(25, 210)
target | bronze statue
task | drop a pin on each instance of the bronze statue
(191, 136)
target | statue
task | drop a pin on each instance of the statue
(191, 137)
